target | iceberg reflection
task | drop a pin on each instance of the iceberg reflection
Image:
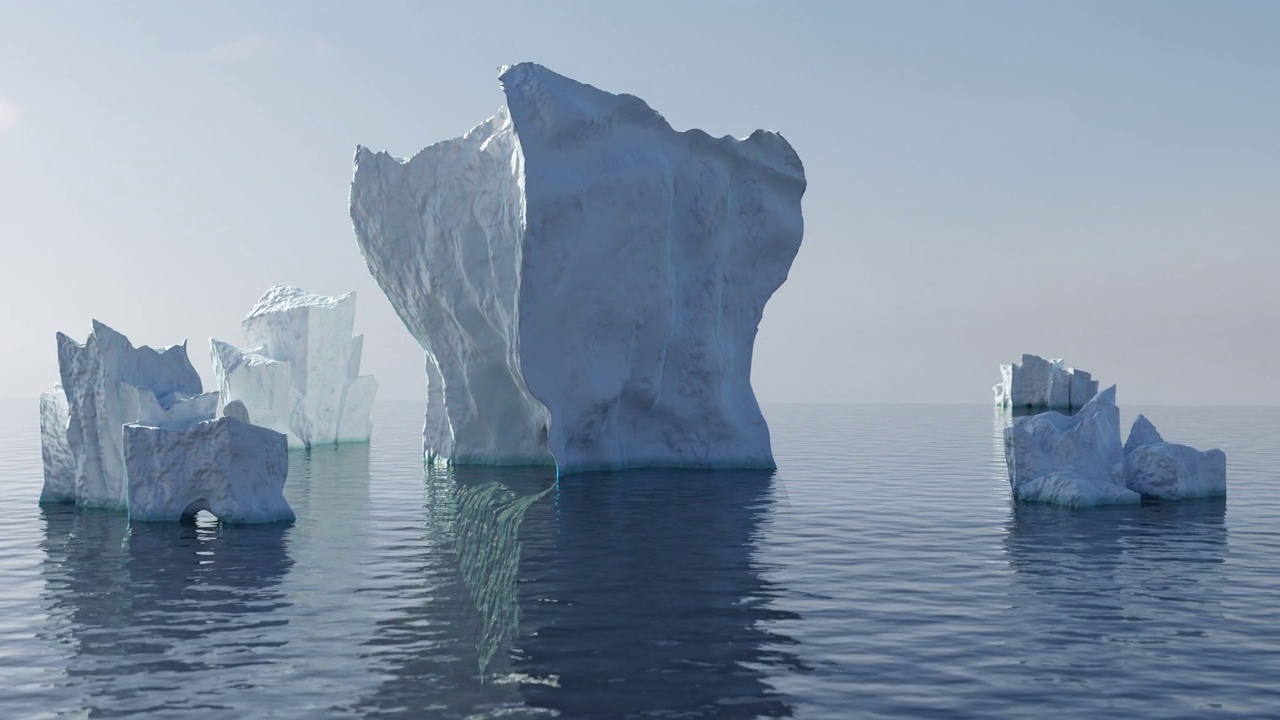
(641, 595)
(141, 606)
(612, 594)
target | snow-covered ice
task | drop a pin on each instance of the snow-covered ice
(1074, 460)
(301, 375)
(1168, 471)
(107, 383)
(1040, 384)
(228, 467)
(1078, 460)
(586, 281)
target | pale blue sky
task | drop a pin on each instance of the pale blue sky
(1094, 180)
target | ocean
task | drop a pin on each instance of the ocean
(880, 572)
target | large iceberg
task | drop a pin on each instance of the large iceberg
(301, 376)
(228, 467)
(107, 383)
(1040, 384)
(586, 281)
(1078, 460)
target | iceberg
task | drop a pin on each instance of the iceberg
(226, 466)
(1077, 460)
(586, 282)
(1074, 460)
(1167, 471)
(1040, 384)
(108, 383)
(301, 376)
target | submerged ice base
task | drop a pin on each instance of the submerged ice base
(586, 281)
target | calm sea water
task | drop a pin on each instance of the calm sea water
(881, 572)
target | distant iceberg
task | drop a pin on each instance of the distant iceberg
(586, 281)
(1040, 384)
(1078, 460)
(301, 375)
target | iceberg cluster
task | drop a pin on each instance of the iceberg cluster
(586, 281)
(1078, 460)
(131, 429)
(1041, 384)
(301, 376)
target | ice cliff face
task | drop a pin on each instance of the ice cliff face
(107, 383)
(586, 281)
(303, 377)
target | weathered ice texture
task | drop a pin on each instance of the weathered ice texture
(109, 383)
(1042, 384)
(1074, 460)
(230, 468)
(59, 463)
(303, 377)
(1167, 471)
(586, 281)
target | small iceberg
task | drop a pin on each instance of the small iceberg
(1078, 460)
(1168, 471)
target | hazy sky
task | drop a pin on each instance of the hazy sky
(1099, 181)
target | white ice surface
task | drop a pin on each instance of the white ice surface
(302, 378)
(586, 281)
(230, 468)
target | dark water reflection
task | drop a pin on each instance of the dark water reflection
(891, 578)
(1144, 582)
(642, 596)
(609, 595)
(148, 603)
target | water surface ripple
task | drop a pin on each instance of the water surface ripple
(880, 572)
